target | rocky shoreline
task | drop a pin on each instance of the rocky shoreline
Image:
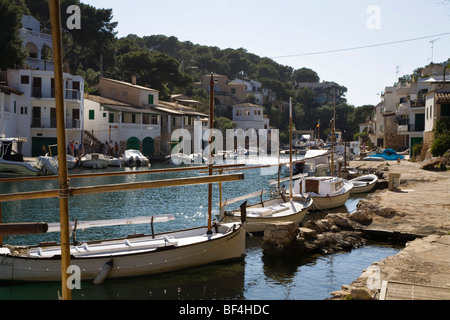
(417, 214)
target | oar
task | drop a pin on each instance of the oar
(54, 227)
(248, 196)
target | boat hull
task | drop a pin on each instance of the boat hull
(364, 184)
(255, 223)
(17, 169)
(329, 202)
(169, 252)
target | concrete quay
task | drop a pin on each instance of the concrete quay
(420, 208)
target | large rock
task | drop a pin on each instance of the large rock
(341, 220)
(361, 217)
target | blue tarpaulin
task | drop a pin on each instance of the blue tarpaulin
(388, 154)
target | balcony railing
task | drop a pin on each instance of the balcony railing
(49, 93)
(73, 94)
(36, 34)
(410, 127)
(45, 123)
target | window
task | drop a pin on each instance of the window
(233, 90)
(150, 99)
(23, 110)
(445, 110)
(133, 118)
(154, 119)
(24, 79)
(91, 114)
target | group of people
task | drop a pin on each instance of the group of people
(109, 149)
(75, 148)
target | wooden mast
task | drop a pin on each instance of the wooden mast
(55, 17)
(210, 156)
(290, 147)
(333, 133)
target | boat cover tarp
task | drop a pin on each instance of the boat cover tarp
(388, 154)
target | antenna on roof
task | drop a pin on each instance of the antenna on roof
(432, 48)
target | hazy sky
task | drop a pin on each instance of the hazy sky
(289, 31)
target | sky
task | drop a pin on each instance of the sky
(372, 42)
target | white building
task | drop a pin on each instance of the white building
(132, 127)
(437, 106)
(255, 88)
(27, 101)
(33, 114)
(38, 45)
(250, 116)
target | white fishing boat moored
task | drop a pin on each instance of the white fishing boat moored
(327, 192)
(279, 209)
(134, 158)
(126, 257)
(94, 161)
(12, 163)
(364, 183)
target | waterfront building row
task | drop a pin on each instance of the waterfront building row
(409, 110)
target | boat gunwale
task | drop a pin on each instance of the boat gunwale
(229, 234)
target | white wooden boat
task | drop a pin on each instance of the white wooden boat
(94, 161)
(134, 158)
(364, 183)
(179, 158)
(12, 163)
(70, 160)
(197, 158)
(134, 256)
(326, 192)
(114, 162)
(259, 215)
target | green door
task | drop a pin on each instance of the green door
(414, 141)
(148, 147)
(133, 143)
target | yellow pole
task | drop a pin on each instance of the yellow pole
(55, 17)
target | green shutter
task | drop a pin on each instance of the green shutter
(91, 114)
(150, 99)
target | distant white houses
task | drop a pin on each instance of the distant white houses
(254, 88)
(38, 45)
(250, 116)
(409, 110)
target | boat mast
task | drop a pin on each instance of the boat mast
(333, 133)
(55, 17)
(290, 147)
(210, 156)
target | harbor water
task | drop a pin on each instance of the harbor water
(257, 277)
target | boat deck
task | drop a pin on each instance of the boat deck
(127, 246)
